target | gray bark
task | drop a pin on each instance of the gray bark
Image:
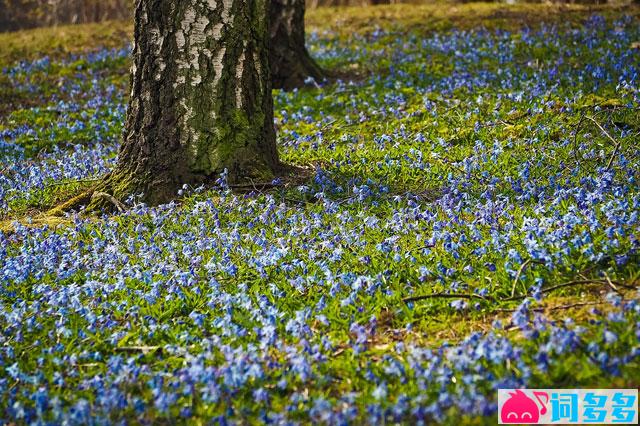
(200, 98)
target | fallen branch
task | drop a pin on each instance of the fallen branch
(572, 284)
(254, 186)
(426, 247)
(569, 284)
(616, 144)
(571, 305)
(610, 283)
(520, 271)
(445, 296)
(71, 182)
(554, 308)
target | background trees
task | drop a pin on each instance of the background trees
(18, 14)
(290, 62)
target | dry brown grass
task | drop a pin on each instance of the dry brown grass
(62, 40)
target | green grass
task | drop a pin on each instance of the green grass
(63, 40)
(382, 134)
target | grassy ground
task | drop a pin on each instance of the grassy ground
(76, 39)
(472, 223)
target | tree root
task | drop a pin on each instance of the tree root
(52, 217)
(113, 200)
(72, 204)
(100, 196)
(8, 227)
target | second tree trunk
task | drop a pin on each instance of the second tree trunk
(289, 59)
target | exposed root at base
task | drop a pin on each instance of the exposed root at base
(289, 176)
(113, 200)
(72, 204)
(8, 227)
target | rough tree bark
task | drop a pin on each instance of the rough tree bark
(289, 59)
(200, 99)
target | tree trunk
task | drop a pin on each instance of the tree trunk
(200, 99)
(290, 61)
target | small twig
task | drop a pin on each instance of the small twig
(610, 284)
(602, 129)
(571, 284)
(572, 305)
(71, 182)
(338, 352)
(616, 144)
(445, 296)
(427, 247)
(121, 207)
(554, 308)
(613, 155)
(575, 139)
(143, 349)
(13, 385)
(567, 284)
(515, 281)
(555, 287)
(326, 125)
(294, 201)
(252, 186)
(514, 298)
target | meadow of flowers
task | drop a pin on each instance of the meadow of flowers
(472, 223)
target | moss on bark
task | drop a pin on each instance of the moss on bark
(200, 99)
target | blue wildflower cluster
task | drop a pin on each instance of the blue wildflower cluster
(472, 224)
